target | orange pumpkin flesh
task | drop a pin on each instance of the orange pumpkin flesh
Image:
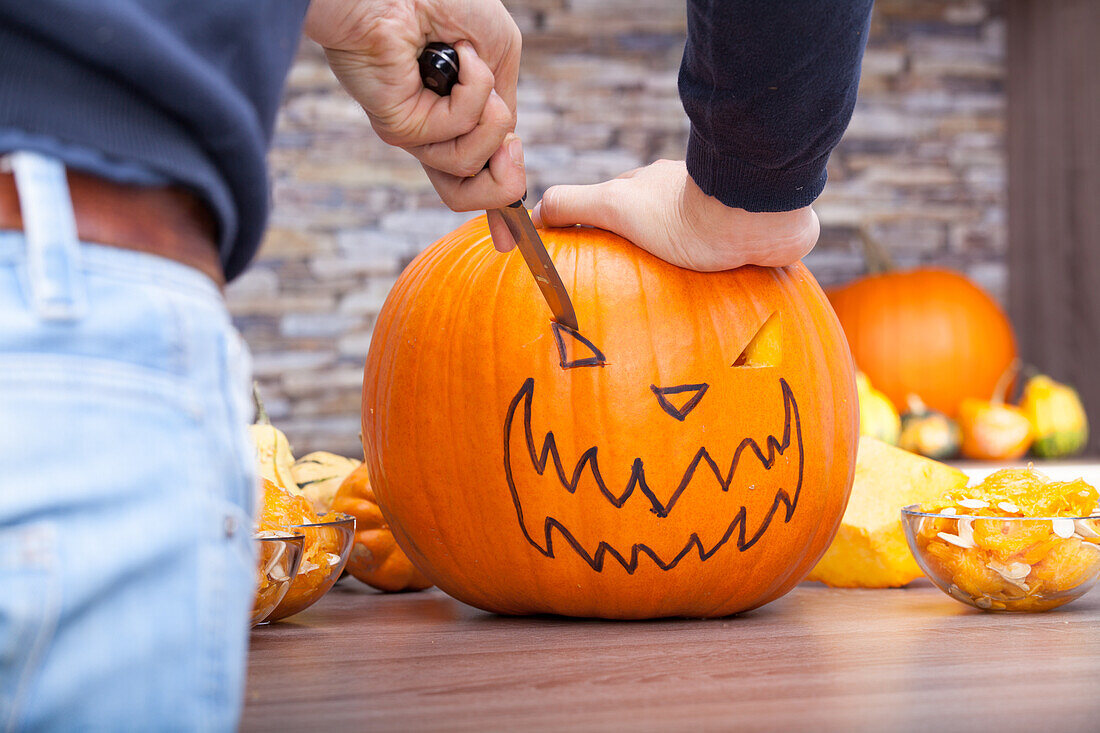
(688, 453)
(375, 558)
(927, 332)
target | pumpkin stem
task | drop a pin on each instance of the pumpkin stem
(261, 413)
(915, 404)
(875, 256)
(1000, 391)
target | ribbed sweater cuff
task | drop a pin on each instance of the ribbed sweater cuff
(742, 185)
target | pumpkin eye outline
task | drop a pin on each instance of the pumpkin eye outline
(595, 359)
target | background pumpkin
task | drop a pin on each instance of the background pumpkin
(929, 332)
(319, 474)
(1057, 417)
(464, 345)
(375, 558)
(928, 432)
(877, 416)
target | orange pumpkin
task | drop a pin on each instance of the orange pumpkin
(928, 332)
(688, 452)
(375, 557)
(993, 430)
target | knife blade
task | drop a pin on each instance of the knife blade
(439, 72)
(530, 245)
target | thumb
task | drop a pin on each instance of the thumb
(564, 206)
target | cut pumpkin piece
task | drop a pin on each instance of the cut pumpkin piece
(869, 550)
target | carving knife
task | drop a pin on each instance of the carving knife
(439, 71)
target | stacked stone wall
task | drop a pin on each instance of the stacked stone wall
(921, 169)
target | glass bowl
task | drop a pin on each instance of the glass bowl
(327, 546)
(278, 555)
(1006, 564)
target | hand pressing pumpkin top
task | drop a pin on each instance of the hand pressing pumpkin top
(375, 558)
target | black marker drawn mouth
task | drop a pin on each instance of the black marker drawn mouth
(737, 529)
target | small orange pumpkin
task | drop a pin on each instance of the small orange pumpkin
(993, 430)
(688, 452)
(375, 557)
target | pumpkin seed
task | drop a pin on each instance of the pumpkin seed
(955, 540)
(1064, 528)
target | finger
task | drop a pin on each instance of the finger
(425, 117)
(503, 240)
(594, 205)
(465, 156)
(501, 184)
(469, 96)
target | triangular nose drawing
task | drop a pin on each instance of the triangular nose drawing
(692, 392)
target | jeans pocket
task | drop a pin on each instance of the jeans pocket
(29, 608)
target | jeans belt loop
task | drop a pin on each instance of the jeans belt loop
(49, 225)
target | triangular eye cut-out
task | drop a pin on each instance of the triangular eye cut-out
(765, 349)
(575, 350)
(693, 393)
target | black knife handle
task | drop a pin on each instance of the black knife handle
(439, 68)
(439, 72)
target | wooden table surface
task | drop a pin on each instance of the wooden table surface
(818, 659)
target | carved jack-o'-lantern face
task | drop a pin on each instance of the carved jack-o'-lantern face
(710, 479)
(688, 452)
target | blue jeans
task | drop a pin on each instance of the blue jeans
(126, 483)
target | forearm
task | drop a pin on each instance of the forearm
(769, 87)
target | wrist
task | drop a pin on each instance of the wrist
(735, 236)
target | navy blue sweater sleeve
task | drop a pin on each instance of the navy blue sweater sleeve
(769, 86)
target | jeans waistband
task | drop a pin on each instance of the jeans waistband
(56, 262)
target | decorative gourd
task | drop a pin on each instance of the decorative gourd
(1057, 417)
(993, 430)
(375, 557)
(319, 475)
(870, 550)
(928, 432)
(927, 331)
(273, 456)
(688, 452)
(877, 416)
